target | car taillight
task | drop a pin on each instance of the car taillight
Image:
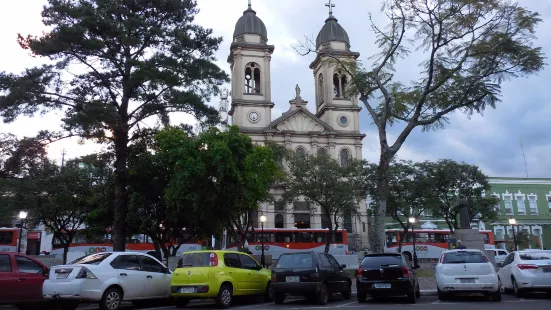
(360, 272)
(213, 260)
(405, 272)
(315, 276)
(85, 274)
(274, 278)
(526, 267)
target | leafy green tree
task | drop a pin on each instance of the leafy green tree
(523, 239)
(222, 176)
(335, 190)
(129, 61)
(470, 47)
(449, 182)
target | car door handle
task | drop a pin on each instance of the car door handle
(150, 277)
(123, 274)
(21, 279)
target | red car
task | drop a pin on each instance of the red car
(21, 279)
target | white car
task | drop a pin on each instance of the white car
(466, 271)
(528, 270)
(500, 255)
(108, 278)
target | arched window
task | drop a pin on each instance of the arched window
(344, 81)
(322, 152)
(301, 154)
(344, 158)
(252, 78)
(336, 85)
(320, 89)
(278, 221)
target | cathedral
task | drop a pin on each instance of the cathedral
(333, 128)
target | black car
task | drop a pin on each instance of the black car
(316, 276)
(387, 274)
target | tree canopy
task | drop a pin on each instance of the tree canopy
(114, 64)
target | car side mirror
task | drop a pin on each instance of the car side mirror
(180, 263)
(46, 271)
(343, 266)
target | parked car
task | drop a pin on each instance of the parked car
(500, 256)
(108, 278)
(21, 279)
(316, 276)
(466, 271)
(218, 275)
(526, 271)
(387, 274)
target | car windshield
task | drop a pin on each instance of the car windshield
(378, 261)
(195, 260)
(302, 260)
(464, 257)
(535, 255)
(94, 259)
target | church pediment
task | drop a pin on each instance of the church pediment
(300, 121)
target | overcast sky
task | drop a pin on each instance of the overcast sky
(491, 141)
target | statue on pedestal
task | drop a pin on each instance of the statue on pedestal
(464, 220)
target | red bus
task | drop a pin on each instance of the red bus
(9, 239)
(280, 240)
(428, 243)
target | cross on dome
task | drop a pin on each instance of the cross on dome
(249, 4)
(329, 5)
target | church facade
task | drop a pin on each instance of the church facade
(333, 128)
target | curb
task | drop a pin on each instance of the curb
(428, 293)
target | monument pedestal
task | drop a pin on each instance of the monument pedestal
(473, 239)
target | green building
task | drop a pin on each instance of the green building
(527, 200)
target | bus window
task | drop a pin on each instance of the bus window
(338, 237)
(320, 237)
(439, 237)
(391, 239)
(250, 237)
(306, 237)
(283, 236)
(6, 237)
(422, 237)
(267, 236)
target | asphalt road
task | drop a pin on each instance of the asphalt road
(535, 302)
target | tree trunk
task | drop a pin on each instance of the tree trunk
(330, 237)
(121, 192)
(378, 228)
(65, 251)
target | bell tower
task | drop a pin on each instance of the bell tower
(250, 58)
(334, 104)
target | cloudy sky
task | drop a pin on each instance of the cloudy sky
(491, 141)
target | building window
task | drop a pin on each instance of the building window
(521, 205)
(300, 206)
(533, 204)
(254, 219)
(322, 152)
(343, 85)
(302, 220)
(336, 86)
(301, 154)
(508, 202)
(344, 158)
(278, 221)
(536, 232)
(252, 78)
(499, 234)
(496, 207)
(363, 227)
(320, 89)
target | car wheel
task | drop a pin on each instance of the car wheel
(68, 305)
(225, 297)
(412, 296)
(348, 293)
(111, 299)
(182, 302)
(518, 292)
(496, 296)
(418, 292)
(268, 295)
(362, 296)
(279, 298)
(442, 296)
(323, 295)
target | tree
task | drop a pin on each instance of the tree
(450, 181)
(129, 61)
(470, 47)
(410, 192)
(219, 177)
(325, 185)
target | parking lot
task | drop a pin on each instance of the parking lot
(535, 302)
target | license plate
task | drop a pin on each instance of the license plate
(381, 285)
(61, 275)
(187, 290)
(466, 280)
(546, 269)
(292, 279)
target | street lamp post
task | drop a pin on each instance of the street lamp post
(513, 224)
(22, 217)
(412, 221)
(262, 258)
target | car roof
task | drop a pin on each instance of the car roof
(461, 250)
(384, 254)
(215, 251)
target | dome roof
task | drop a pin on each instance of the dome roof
(332, 31)
(249, 23)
